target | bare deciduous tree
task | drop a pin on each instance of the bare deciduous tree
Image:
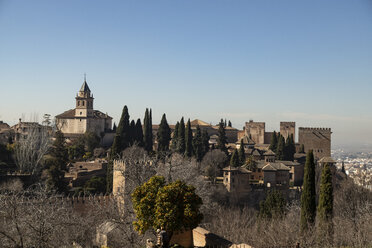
(31, 148)
(34, 218)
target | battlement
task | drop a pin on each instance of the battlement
(315, 129)
(85, 199)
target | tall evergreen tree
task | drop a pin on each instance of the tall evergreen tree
(225, 123)
(205, 141)
(147, 131)
(59, 151)
(114, 127)
(273, 206)
(181, 137)
(123, 130)
(229, 124)
(241, 153)
(163, 135)
(280, 150)
(175, 137)
(234, 161)
(308, 205)
(58, 164)
(292, 148)
(325, 205)
(343, 168)
(132, 132)
(151, 136)
(302, 148)
(198, 144)
(222, 140)
(274, 142)
(139, 133)
(188, 140)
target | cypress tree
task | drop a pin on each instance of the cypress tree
(205, 141)
(241, 153)
(198, 144)
(325, 205)
(139, 133)
(280, 150)
(234, 161)
(181, 137)
(225, 124)
(273, 206)
(222, 140)
(123, 130)
(114, 127)
(151, 136)
(343, 168)
(132, 132)
(188, 140)
(302, 149)
(229, 125)
(292, 148)
(308, 205)
(147, 132)
(175, 137)
(59, 151)
(163, 135)
(274, 142)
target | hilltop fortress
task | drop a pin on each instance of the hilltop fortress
(316, 139)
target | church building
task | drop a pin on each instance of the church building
(83, 118)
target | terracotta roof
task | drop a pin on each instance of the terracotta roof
(71, 114)
(67, 114)
(199, 122)
(327, 160)
(246, 141)
(256, 153)
(275, 166)
(269, 153)
(241, 169)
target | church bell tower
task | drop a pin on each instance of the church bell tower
(84, 101)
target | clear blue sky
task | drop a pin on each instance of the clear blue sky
(272, 61)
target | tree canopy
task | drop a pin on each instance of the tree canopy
(172, 207)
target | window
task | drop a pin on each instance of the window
(81, 113)
(78, 103)
(83, 103)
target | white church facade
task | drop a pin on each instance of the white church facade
(83, 118)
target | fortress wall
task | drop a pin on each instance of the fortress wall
(316, 139)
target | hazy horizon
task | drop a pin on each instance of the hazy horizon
(308, 62)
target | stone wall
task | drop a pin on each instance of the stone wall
(316, 139)
(255, 130)
(287, 129)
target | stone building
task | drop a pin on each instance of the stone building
(237, 180)
(83, 118)
(287, 129)
(80, 172)
(6, 133)
(22, 130)
(316, 139)
(255, 131)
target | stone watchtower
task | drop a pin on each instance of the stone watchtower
(84, 101)
(255, 131)
(316, 139)
(287, 129)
